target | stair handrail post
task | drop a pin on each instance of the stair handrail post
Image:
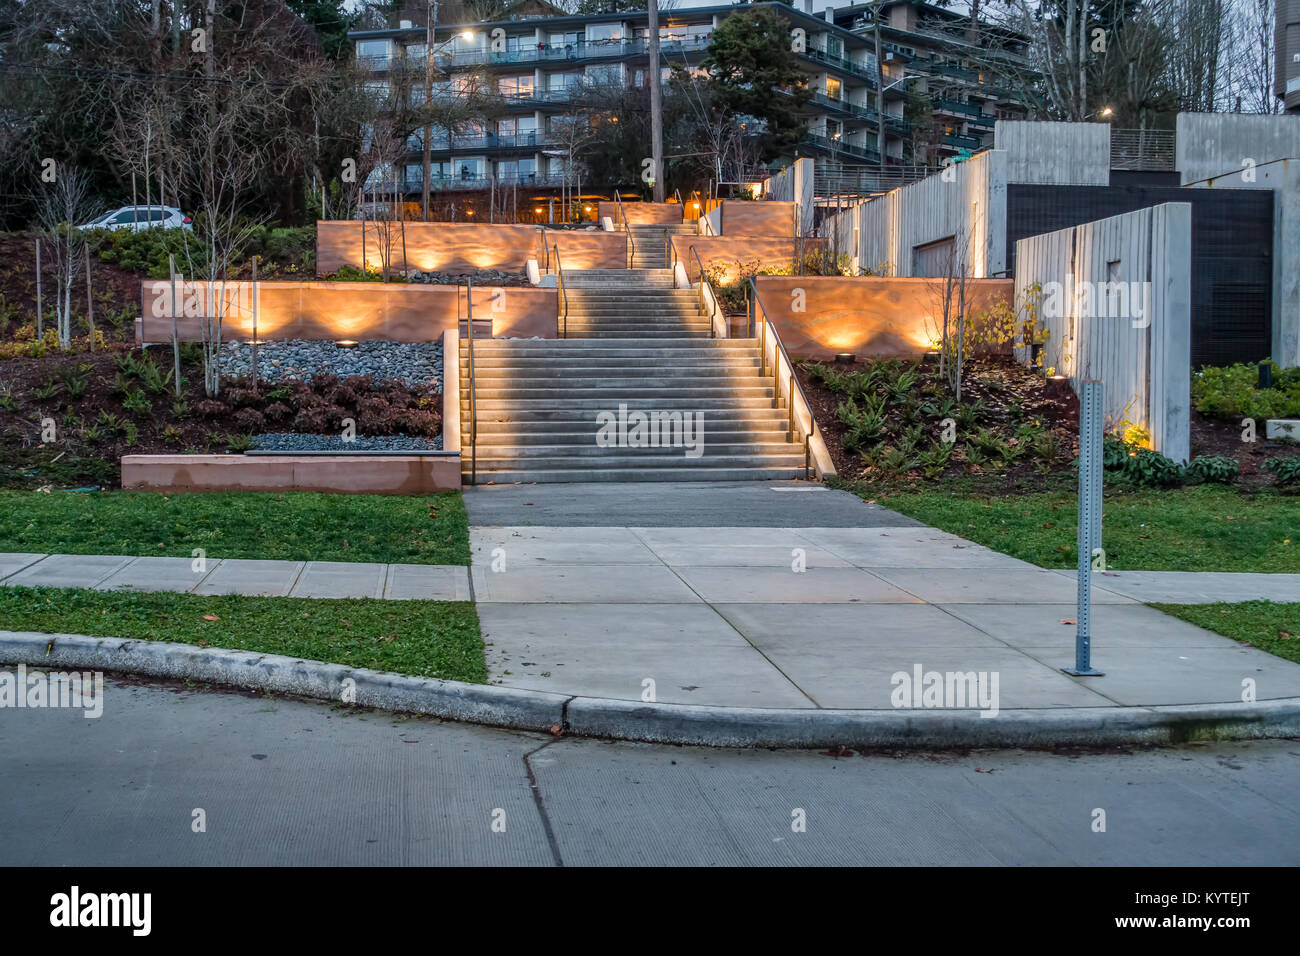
(795, 388)
(562, 294)
(473, 397)
(704, 280)
(627, 229)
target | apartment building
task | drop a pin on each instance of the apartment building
(958, 74)
(539, 62)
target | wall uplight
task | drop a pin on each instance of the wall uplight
(346, 343)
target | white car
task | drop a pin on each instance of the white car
(142, 217)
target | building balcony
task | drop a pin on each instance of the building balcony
(413, 185)
(838, 147)
(582, 51)
(860, 70)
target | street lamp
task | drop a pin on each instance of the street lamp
(430, 50)
(1105, 111)
(880, 115)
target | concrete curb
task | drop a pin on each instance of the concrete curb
(658, 723)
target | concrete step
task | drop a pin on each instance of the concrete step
(641, 457)
(638, 473)
(560, 430)
(637, 333)
(581, 349)
(629, 388)
(542, 433)
(645, 375)
(685, 358)
(713, 448)
(581, 407)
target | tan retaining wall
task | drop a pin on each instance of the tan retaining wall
(742, 217)
(737, 255)
(641, 213)
(585, 249)
(339, 474)
(869, 315)
(396, 311)
(429, 246)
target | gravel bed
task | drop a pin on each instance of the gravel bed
(489, 277)
(414, 364)
(291, 441)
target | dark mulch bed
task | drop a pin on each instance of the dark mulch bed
(117, 292)
(1217, 436)
(1052, 403)
(96, 427)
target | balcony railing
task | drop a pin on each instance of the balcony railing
(848, 66)
(582, 50)
(413, 184)
(838, 179)
(840, 146)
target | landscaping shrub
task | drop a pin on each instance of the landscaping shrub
(1286, 470)
(147, 250)
(1234, 391)
(1213, 469)
(1152, 469)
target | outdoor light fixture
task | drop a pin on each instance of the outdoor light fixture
(846, 358)
(346, 343)
(467, 35)
(932, 356)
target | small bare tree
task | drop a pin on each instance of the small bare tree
(61, 208)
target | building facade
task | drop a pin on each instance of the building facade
(538, 64)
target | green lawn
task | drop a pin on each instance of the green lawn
(294, 526)
(422, 638)
(1262, 624)
(1202, 528)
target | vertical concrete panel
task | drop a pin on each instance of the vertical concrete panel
(1063, 154)
(1143, 360)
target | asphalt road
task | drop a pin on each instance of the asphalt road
(294, 782)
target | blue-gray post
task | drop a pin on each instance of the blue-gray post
(1090, 468)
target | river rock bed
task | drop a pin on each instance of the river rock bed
(418, 363)
(292, 441)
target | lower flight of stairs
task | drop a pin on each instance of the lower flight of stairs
(634, 344)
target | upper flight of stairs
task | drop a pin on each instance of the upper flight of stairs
(633, 340)
(649, 250)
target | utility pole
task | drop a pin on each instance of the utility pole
(656, 101)
(428, 106)
(880, 84)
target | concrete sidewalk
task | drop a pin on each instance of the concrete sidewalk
(308, 579)
(723, 616)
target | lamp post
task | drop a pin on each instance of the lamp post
(429, 51)
(656, 101)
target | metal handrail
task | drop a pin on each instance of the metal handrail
(794, 387)
(627, 230)
(473, 397)
(561, 330)
(668, 254)
(704, 280)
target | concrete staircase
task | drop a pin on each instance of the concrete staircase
(635, 344)
(648, 247)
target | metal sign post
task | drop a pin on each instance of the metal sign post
(1090, 469)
